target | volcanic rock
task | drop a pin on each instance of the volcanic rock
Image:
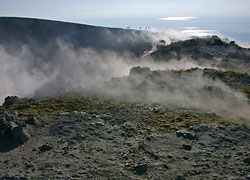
(141, 169)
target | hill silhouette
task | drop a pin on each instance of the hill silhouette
(15, 31)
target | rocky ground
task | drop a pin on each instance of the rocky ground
(211, 51)
(74, 137)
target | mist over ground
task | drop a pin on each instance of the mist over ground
(24, 73)
(28, 76)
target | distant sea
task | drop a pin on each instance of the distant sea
(233, 28)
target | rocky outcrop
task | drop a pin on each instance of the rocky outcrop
(139, 70)
(13, 132)
(210, 51)
(10, 100)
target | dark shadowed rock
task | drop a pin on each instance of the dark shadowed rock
(232, 42)
(100, 124)
(247, 160)
(4, 124)
(186, 135)
(141, 169)
(10, 100)
(33, 121)
(187, 147)
(18, 134)
(9, 116)
(45, 147)
(215, 40)
(180, 178)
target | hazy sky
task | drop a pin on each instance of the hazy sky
(80, 10)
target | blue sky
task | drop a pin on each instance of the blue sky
(87, 10)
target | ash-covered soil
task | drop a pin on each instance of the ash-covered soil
(73, 137)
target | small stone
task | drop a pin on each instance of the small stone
(156, 157)
(186, 135)
(82, 137)
(232, 43)
(67, 165)
(125, 128)
(240, 153)
(33, 121)
(75, 113)
(247, 161)
(100, 123)
(165, 166)
(187, 147)
(170, 156)
(227, 156)
(141, 169)
(45, 147)
(221, 127)
(179, 119)
(105, 117)
(207, 165)
(180, 178)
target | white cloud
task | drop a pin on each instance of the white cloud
(177, 18)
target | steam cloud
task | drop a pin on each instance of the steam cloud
(26, 75)
(188, 89)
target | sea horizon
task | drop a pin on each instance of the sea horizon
(233, 28)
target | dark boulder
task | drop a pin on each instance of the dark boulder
(19, 134)
(215, 40)
(33, 121)
(187, 147)
(45, 147)
(141, 169)
(10, 100)
(232, 43)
